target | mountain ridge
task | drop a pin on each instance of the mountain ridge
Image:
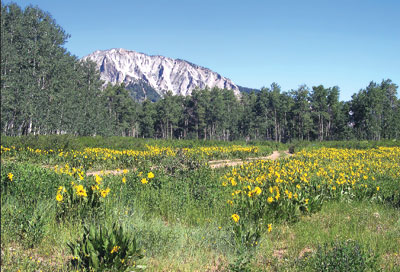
(159, 73)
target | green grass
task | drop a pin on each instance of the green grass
(177, 246)
(375, 226)
(181, 220)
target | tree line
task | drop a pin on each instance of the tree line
(46, 90)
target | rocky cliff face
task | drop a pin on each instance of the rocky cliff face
(158, 72)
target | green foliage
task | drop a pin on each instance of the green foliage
(141, 91)
(77, 201)
(28, 224)
(246, 238)
(44, 89)
(340, 256)
(105, 249)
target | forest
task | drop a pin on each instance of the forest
(47, 90)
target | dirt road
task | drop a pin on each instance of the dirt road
(213, 164)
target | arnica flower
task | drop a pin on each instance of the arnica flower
(144, 181)
(80, 191)
(10, 176)
(80, 176)
(98, 179)
(257, 190)
(270, 199)
(150, 175)
(124, 180)
(61, 189)
(269, 227)
(235, 217)
(115, 249)
(59, 197)
(105, 192)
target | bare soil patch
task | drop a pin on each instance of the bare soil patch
(222, 163)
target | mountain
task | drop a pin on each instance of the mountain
(152, 76)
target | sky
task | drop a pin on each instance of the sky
(345, 43)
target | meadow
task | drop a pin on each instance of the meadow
(124, 204)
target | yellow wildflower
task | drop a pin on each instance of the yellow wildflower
(115, 249)
(150, 175)
(80, 176)
(98, 179)
(80, 191)
(144, 181)
(105, 192)
(59, 197)
(257, 190)
(235, 217)
(124, 180)
(10, 176)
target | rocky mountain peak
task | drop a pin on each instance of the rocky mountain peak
(161, 73)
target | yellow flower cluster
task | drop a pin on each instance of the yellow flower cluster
(80, 190)
(218, 151)
(71, 171)
(327, 171)
(60, 192)
(91, 155)
(150, 175)
(6, 149)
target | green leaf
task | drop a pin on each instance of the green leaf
(95, 260)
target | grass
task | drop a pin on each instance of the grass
(182, 221)
(374, 226)
(173, 247)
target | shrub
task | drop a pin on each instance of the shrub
(105, 249)
(340, 256)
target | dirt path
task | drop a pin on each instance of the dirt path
(213, 164)
(105, 172)
(222, 163)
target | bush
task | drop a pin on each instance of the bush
(105, 249)
(340, 256)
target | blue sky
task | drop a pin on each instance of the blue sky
(347, 43)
